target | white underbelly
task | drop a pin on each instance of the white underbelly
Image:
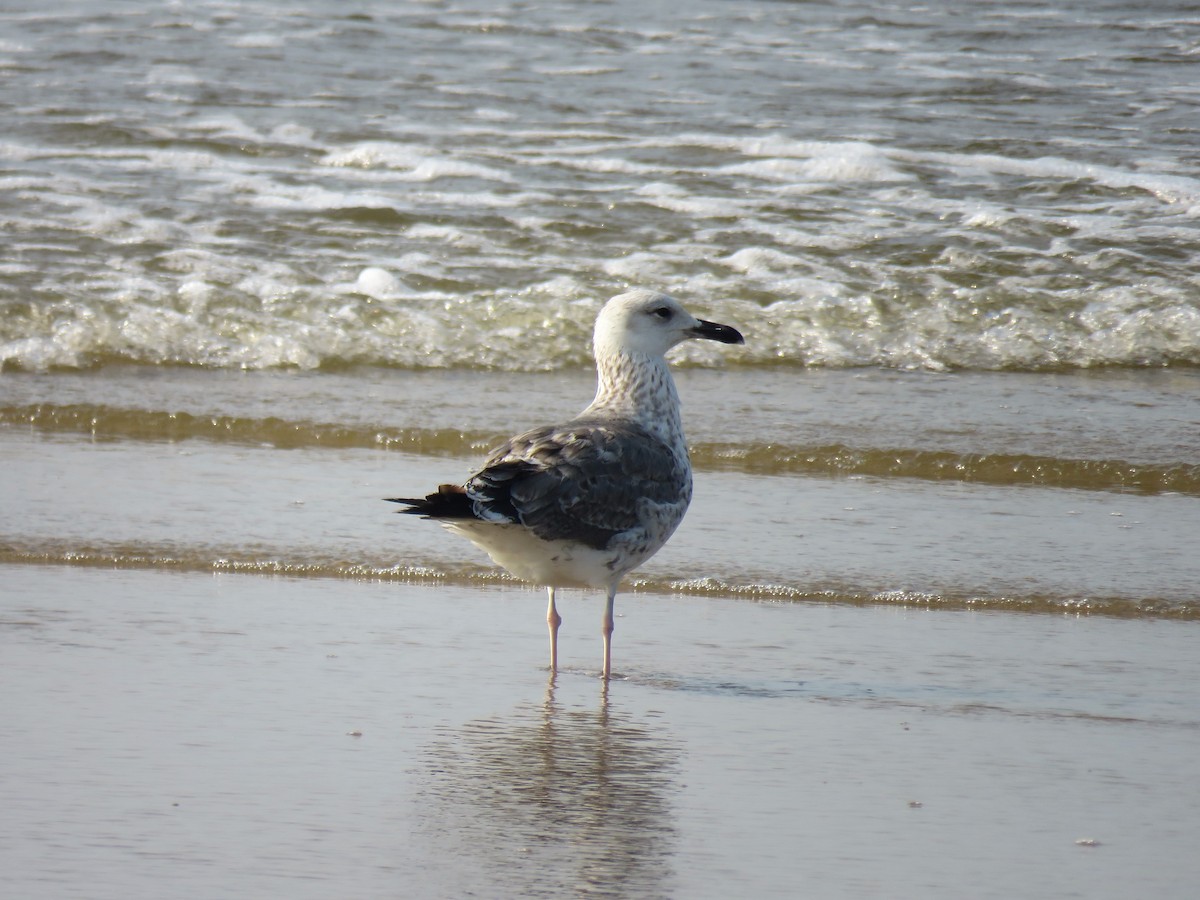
(556, 563)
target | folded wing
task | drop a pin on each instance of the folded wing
(584, 481)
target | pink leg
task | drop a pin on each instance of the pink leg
(606, 628)
(553, 620)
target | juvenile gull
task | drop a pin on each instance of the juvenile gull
(583, 503)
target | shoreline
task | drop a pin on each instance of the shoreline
(484, 577)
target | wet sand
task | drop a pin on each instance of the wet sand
(245, 736)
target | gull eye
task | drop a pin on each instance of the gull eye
(662, 312)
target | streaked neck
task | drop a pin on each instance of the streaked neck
(640, 388)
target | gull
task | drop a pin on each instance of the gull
(585, 502)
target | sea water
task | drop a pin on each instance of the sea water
(448, 185)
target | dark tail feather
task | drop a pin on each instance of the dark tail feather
(450, 501)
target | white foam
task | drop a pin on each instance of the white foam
(677, 199)
(491, 114)
(1169, 188)
(575, 71)
(259, 41)
(605, 164)
(378, 283)
(988, 216)
(373, 154)
(836, 163)
(294, 134)
(756, 260)
(410, 164)
(11, 151)
(172, 74)
(270, 194)
(443, 234)
(637, 267)
(196, 294)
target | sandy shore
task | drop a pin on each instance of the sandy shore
(243, 736)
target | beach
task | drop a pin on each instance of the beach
(235, 735)
(929, 627)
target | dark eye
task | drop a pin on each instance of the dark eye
(663, 312)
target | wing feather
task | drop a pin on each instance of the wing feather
(585, 481)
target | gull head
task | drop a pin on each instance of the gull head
(648, 323)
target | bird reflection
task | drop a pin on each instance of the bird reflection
(551, 800)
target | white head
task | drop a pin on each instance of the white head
(647, 323)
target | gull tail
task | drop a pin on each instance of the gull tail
(449, 501)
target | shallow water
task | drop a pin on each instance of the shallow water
(1033, 492)
(249, 736)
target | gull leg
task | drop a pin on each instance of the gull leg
(553, 620)
(606, 628)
